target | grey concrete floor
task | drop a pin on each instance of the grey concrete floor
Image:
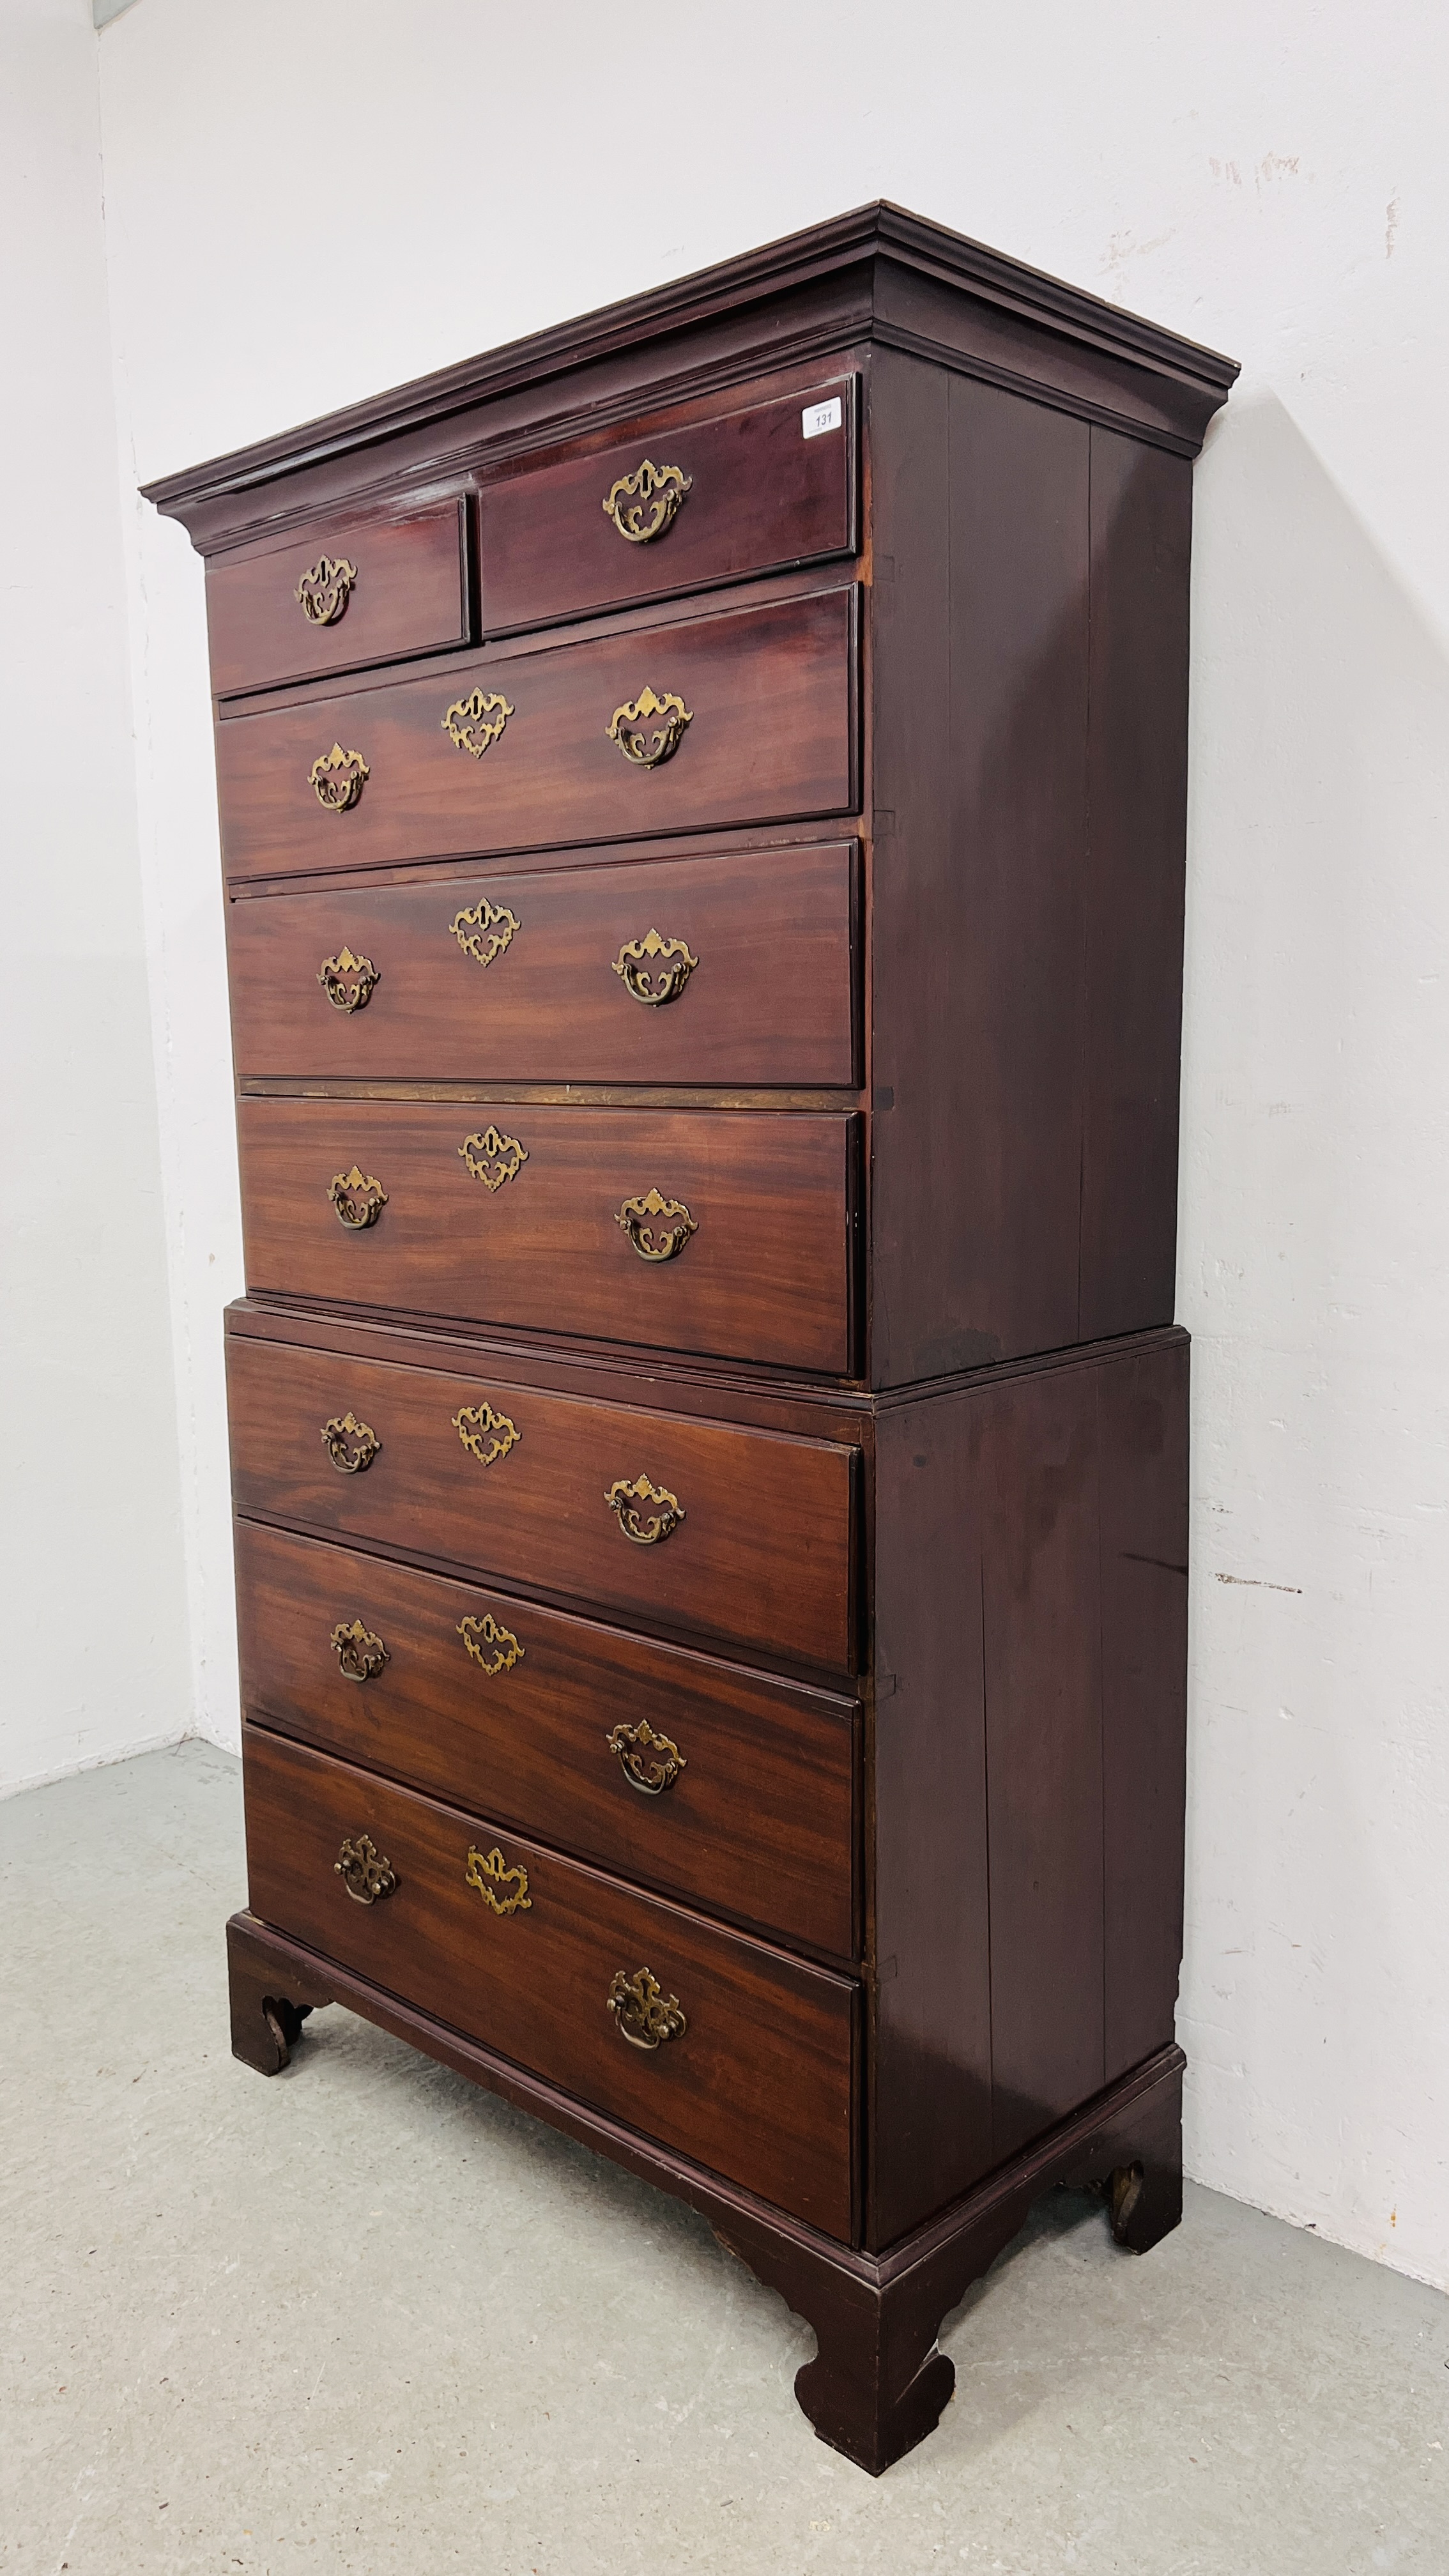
(365, 2318)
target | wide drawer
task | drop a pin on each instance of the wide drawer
(337, 595)
(749, 2070)
(514, 750)
(731, 1790)
(725, 970)
(671, 507)
(694, 1230)
(747, 1535)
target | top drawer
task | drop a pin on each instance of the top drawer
(338, 594)
(671, 509)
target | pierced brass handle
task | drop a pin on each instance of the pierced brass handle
(635, 971)
(643, 504)
(637, 1217)
(323, 593)
(494, 1648)
(351, 1445)
(363, 1871)
(488, 1873)
(626, 1500)
(349, 982)
(339, 778)
(634, 1746)
(358, 1199)
(629, 726)
(493, 1158)
(486, 1435)
(643, 2013)
(358, 1651)
(474, 723)
(484, 930)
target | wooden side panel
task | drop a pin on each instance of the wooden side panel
(1137, 810)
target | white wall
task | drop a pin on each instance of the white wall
(306, 204)
(94, 1657)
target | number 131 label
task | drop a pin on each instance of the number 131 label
(820, 417)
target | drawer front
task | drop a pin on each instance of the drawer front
(762, 1555)
(731, 1791)
(757, 2082)
(376, 775)
(735, 970)
(338, 595)
(671, 508)
(716, 1231)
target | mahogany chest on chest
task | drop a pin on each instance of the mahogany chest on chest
(702, 804)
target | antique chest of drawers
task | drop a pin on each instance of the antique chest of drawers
(702, 802)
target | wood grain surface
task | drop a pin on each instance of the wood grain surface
(410, 596)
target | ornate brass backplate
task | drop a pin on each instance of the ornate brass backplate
(650, 1763)
(627, 1501)
(493, 1158)
(484, 930)
(339, 778)
(634, 967)
(363, 1871)
(643, 2013)
(474, 723)
(323, 593)
(494, 1648)
(488, 1872)
(349, 982)
(358, 1199)
(351, 1445)
(643, 504)
(675, 1226)
(485, 1434)
(358, 1651)
(630, 727)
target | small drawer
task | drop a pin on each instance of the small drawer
(745, 716)
(718, 1231)
(338, 595)
(730, 1790)
(734, 970)
(674, 1523)
(737, 2055)
(671, 507)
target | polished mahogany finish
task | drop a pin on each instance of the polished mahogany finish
(759, 496)
(550, 976)
(757, 1823)
(404, 590)
(756, 1229)
(709, 1432)
(769, 691)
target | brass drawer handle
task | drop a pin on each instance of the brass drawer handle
(494, 1648)
(625, 1499)
(486, 1435)
(323, 593)
(339, 778)
(634, 1745)
(493, 1158)
(658, 489)
(643, 2013)
(358, 1199)
(635, 971)
(487, 1872)
(358, 1651)
(349, 982)
(351, 1445)
(484, 930)
(629, 728)
(637, 1216)
(362, 1870)
(474, 723)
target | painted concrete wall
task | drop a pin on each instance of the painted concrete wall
(94, 1657)
(306, 205)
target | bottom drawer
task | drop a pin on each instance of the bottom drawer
(744, 2062)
